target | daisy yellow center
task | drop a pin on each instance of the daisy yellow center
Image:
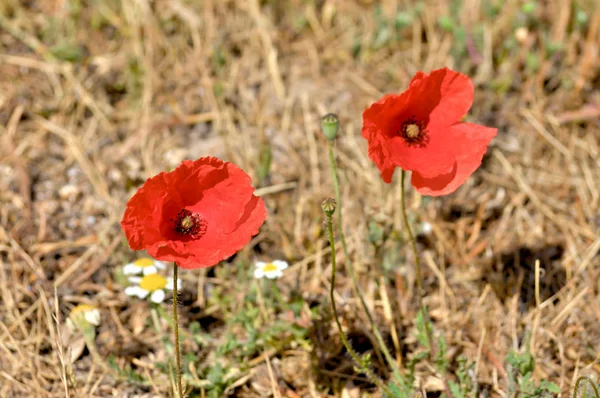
(153, 282)
(412, 131)
(270, 267)
(143, 262)
(82, 308)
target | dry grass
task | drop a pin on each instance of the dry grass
(156, 82)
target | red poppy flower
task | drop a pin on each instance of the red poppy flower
(420, 130)
(202, 212)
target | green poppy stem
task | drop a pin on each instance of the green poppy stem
(359, 362)
(417, 262)
(176, 330)
(338, 197)
(580, 381)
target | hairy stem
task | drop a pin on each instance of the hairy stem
(176, 329)
(417, 262)
(350, 350)
(580, 381)
(338, 198)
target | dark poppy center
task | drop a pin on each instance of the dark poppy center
(190, 224)
(414, 133)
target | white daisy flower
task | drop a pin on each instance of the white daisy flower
(153, 285)
(144, 265)
(270, 270)
(87, 312)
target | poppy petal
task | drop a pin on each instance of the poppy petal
(141, 221)
(468, 142)
(379, 152)
(445, 96)
(430, 161)
(223, 204)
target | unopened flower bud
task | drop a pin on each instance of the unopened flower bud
(330, 124)
(328, 206)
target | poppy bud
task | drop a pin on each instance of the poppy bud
(330, 124)
(328, 206)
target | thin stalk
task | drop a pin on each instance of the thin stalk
(338, 197)
(580, 381)
(176, 329)
(350, 350)
(417, 262)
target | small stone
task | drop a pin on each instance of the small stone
(68, 191)
(521, 34)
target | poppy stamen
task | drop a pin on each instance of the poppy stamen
(190, 224)
(414, 133)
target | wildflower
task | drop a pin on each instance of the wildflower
(85, 313)
(420, 130)
(151, 284)
(144, 265)
(202, 212)
(270, 270)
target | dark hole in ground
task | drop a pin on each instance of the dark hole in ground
(490, 216)
(485, 390)
(210, 323)
(53, 263)
(45, 349)
(257, 249)
(109, 344)
(514, 272)
(425, 241)
(456, 212)
(115, 91)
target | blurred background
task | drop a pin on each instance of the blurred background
(96, 96)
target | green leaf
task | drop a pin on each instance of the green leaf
(375, 234)
(529, 7)
(446, 23)
(524, 362)
(404, 19)
(421, 330)
(455, 390)
(215, 374)
(67, 52)
(546, 385)
(441, 361)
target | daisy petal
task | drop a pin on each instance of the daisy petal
(259, 273)
(274, 274)
(281, 264)
(135, 279)
(131, 269)
(151, 269)
(157, 296)
(136, 291)
(93, 317)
